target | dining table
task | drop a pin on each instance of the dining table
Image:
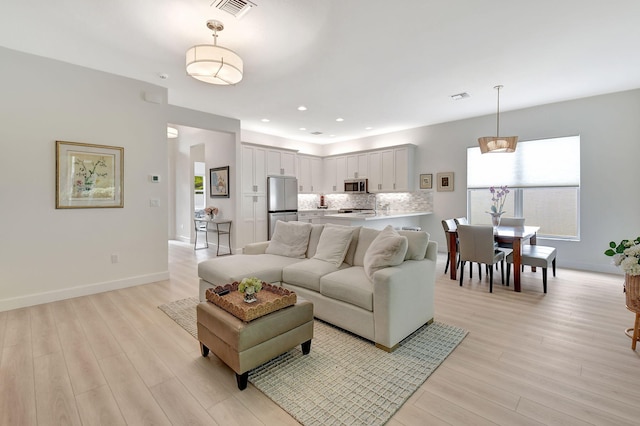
(513, 235)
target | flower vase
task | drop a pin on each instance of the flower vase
(495, 219)
(250, 297)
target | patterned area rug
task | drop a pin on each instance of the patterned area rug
(345, 380)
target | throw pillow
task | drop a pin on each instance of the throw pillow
(348, 258)
(290, 239)
(418, 242)
(388, 249)
(333, 245)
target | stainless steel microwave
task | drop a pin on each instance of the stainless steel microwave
(356, 186)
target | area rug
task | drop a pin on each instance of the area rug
(345, 380)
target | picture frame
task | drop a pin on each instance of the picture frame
(219, 182)
(445, 181)
(89, 176)
(426, 181)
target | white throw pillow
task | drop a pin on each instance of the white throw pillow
(418, 242)
(388, 249)
(333, 244)
(290, 239)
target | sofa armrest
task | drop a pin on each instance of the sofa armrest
(403, 297)
(256, 248)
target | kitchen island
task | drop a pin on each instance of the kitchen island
(376, 220)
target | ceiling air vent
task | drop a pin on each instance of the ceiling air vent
(316, 133)
(236, 8)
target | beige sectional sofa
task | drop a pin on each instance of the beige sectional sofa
(376, 284)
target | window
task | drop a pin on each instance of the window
(543, 177)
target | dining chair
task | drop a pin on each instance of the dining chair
(476, 245)
(450, 225)
(461, 221)
(516, 222)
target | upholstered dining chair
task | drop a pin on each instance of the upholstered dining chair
(450, 225)
(461, 221)
(536, 256)
(516, 222)
(476, 245)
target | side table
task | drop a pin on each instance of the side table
(219, 226)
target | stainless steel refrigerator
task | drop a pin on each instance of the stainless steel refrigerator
(282, 200)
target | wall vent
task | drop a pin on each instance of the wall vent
(236, 8)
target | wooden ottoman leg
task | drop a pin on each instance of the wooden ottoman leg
(203, 349)
(242, 380)
(306, 347)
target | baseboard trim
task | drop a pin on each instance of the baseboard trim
(85, 290)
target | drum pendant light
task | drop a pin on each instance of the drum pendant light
(497, 143)
(214, 64)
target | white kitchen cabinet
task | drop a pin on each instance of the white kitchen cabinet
(330, 175)
(281, 162)
(310, 174)
(341, 172)
(357, 166)
(391, 169)
(253, 221)
(254, 170)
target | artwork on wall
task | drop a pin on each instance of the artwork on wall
(445, 181)
(89, 176)
(426, 181)
(219, 182)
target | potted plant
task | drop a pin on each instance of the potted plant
(498, 197)
(250, 286)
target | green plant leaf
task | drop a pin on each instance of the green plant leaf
(610, 252)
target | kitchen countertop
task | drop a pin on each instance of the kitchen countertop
(375, 216)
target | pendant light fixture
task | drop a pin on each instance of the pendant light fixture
(497, 143)
(214, 64)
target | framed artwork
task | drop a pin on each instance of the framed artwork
(426, 181)
(219, 182)
(445, 181)
(89, 176)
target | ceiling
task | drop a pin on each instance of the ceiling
(381, 66)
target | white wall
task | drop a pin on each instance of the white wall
(48, 254)
(610, 150)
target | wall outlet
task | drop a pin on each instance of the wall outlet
(154, 202)
(115, 258)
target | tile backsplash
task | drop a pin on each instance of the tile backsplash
(419, 201)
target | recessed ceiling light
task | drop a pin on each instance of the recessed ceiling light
(368, 128)
(302, 108)
(339, 119)
(303, 128)
(332, 136)
(265, 120)
(459, 96)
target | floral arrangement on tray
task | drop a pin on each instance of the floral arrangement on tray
(211, 211)
(272, 298)
(626, 254)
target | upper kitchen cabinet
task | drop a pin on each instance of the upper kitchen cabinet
(254, 169)
(310, 174)
(330, 175)
(391, 169)
(281, 162)
(357, 166)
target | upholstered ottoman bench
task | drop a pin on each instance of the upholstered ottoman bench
(246, 345)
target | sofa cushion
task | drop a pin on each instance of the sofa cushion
(388, 249)
(307, 273)
(314, 237)
(224, 270)
(350, 285)
(418, 242)
(290, 239)
(334, 243)
(365, 238)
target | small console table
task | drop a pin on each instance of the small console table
(219, 226)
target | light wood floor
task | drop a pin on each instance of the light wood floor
(114, 358)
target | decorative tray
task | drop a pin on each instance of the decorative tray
(270, 299)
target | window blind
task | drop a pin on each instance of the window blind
(539, 163)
